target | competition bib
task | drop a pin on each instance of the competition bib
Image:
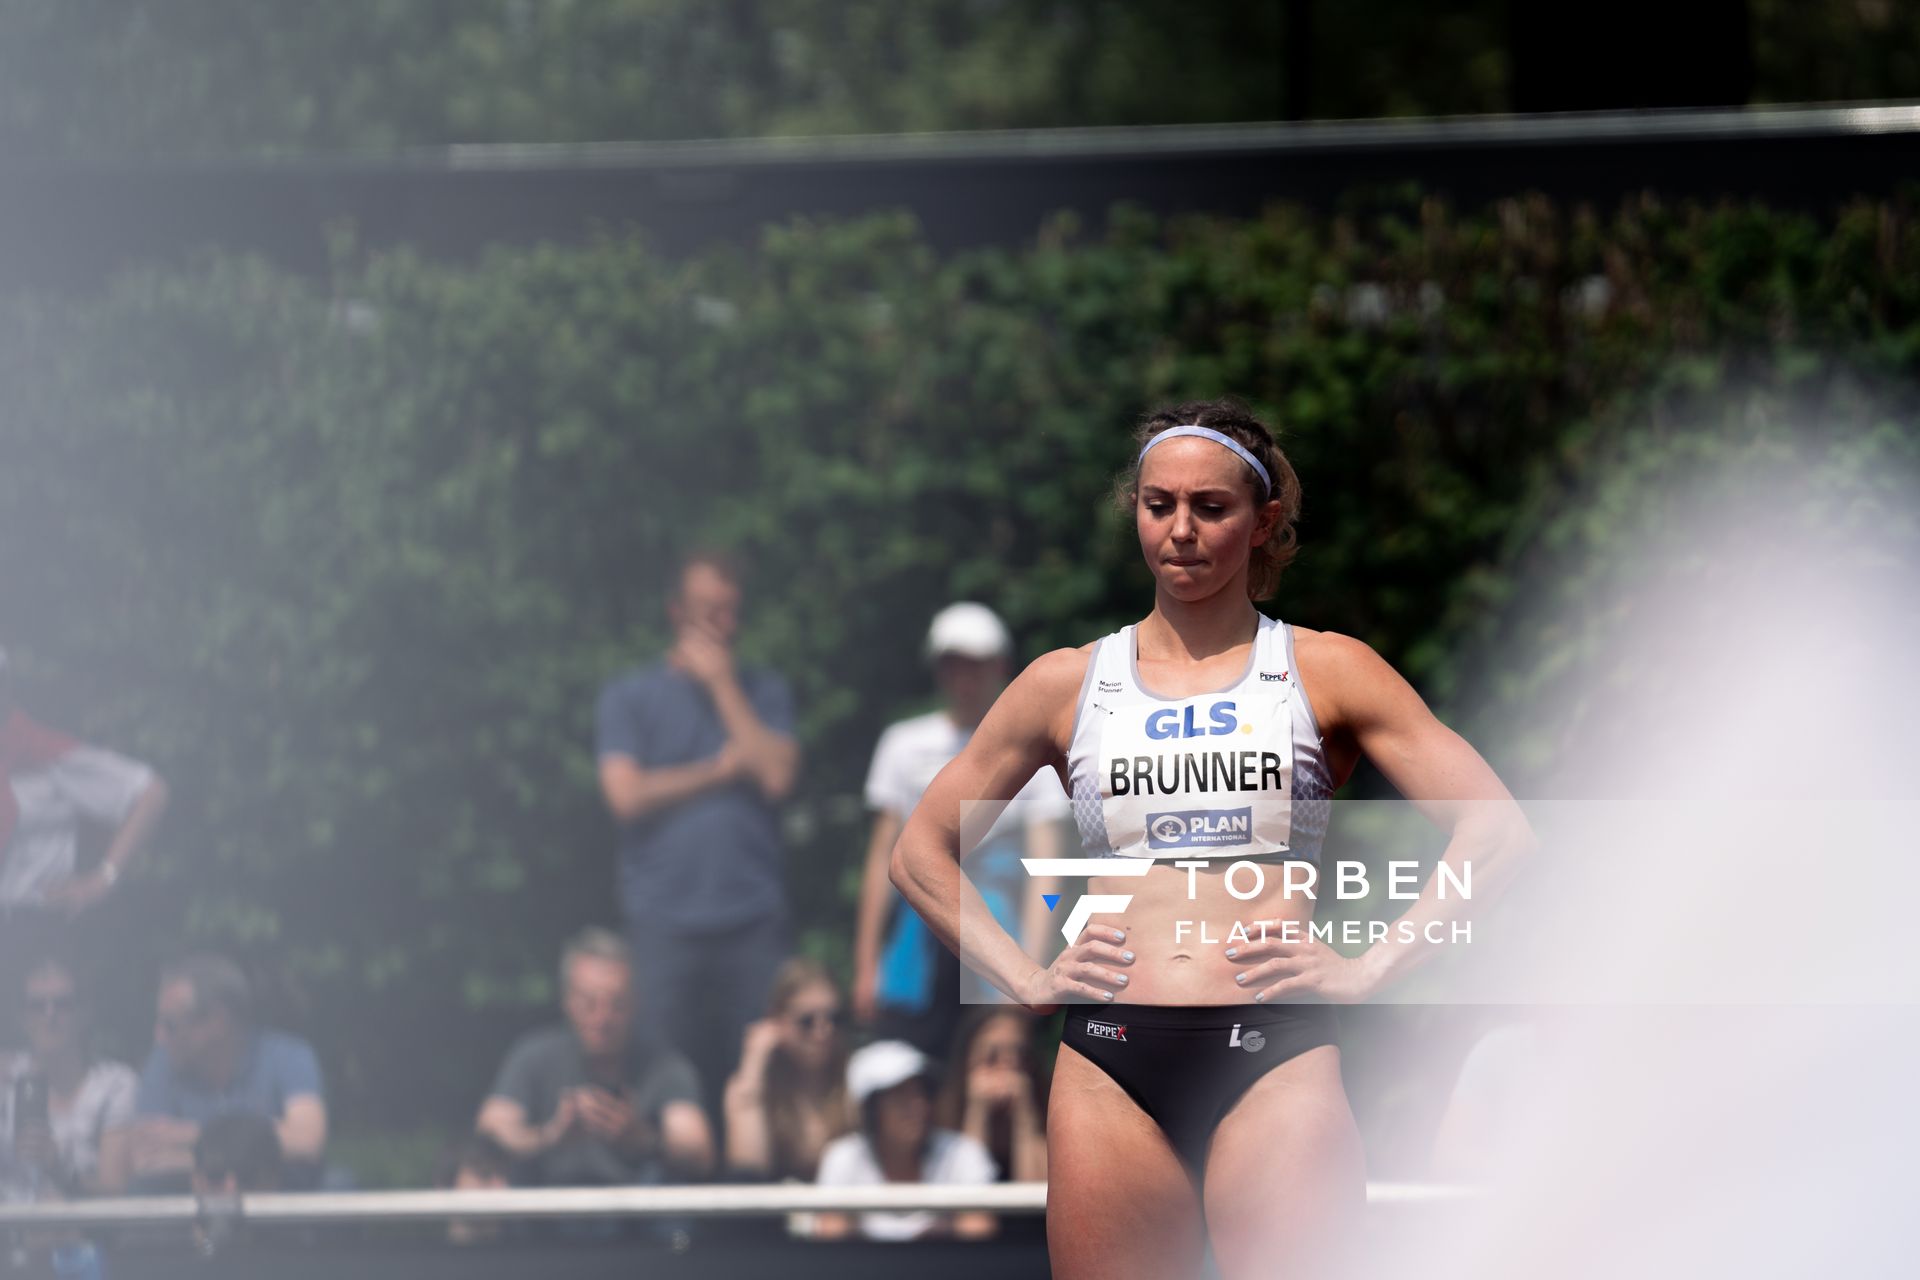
(1201, 777)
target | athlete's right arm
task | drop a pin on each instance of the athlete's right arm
(1027, 729)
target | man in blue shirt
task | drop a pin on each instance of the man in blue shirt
(694, 756)
(209, 1060)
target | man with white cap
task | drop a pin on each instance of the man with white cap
(909, 985)
(889, 1083)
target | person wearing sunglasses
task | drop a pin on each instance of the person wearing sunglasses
(789, 1097)
(994, 1094)
(891, 1085)
(64, 1110)
(211, 1056)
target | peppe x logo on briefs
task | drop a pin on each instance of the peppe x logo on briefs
(1107, 1030)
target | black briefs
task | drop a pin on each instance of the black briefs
(1186, 1065)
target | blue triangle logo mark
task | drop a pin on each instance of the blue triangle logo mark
(1051, 899)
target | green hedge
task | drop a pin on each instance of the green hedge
(348, 558)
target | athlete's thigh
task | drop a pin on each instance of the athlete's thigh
(1120, 1204)
(1286, 1178)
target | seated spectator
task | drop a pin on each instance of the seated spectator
(993, 1093)
(209, 1059)
(476, 1163)
(896, 1142)
(583, 1104)
(79, 1144)
(789, 1096)
(236, 1152)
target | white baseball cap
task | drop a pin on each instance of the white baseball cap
(882, 1065)
(970, 630)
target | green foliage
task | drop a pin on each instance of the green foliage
(348, 559)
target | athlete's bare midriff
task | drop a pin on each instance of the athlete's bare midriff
(1179, 941)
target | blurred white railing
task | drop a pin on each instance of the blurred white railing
(708, 1200)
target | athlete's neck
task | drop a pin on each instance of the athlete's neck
(1193, 631)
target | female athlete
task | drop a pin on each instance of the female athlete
(1197, 1100)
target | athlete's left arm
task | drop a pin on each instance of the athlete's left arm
(1364, 698)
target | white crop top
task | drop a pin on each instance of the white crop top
(1236, 773)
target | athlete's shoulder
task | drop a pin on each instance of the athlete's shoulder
(1044, 696)
(1331, 648)
(1349, 677)
(1060, 671)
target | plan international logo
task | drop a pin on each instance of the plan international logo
(1199, 828)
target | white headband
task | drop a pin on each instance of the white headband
(1208, 433)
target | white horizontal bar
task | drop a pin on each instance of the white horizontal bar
(1573, 127)
(716, 1200)
(1087, 866)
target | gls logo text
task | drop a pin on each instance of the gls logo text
(1179, 722)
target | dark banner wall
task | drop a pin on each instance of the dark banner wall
(71, 225)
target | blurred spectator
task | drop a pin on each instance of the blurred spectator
(79, 1141)
(993, 1093)
(50, 784)
(476, 1163)
(694, 755)
(237, 1152)
(897, 1142)
(789, 1097)
(911, 986)
(210, 1059)
(588, 1104)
